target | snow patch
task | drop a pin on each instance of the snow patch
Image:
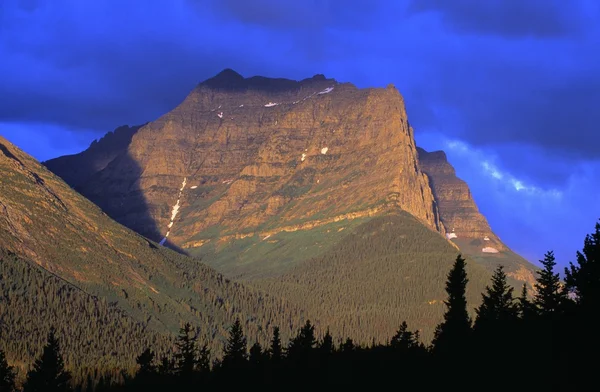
(489, 249)
(220, 114)
(486, 238)
(194, 187)
(266, 237)
(324, 150)
(174, 211)
(271, 104)
(326, 91)
(303, 157)
(451, 235)
(242, 105)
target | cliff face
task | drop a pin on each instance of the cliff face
(458, 212)
(78, 168)
(247, 155)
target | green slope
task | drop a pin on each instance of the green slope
(362, 281)
(58, 232)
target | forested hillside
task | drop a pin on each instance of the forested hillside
(59, 251)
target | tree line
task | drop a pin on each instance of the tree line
(545, 340)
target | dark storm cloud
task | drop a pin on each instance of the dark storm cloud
(509, 18)
(299, 15)
(516, 81)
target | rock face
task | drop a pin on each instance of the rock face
(312, 190)
(242, 155)
(458, 212)
(78, 168)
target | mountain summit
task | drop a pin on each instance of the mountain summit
(264, 177)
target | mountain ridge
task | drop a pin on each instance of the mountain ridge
(57, 244)
(261, 177)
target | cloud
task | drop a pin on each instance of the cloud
(529, 216)
(485, 161)
(507, 18)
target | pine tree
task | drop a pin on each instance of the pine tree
(549, 296)
(186, 351)
(454, 332)
(146, 363)
(498, 307)
(7, 375)
(326, 345)
(235, 349)
(48, 373)
(256, 354)
(276, 350)
(583, 280)
(348, 346)
(167, 366)
(204, 359)
(304, 342)
(403, 339)
(526, 309)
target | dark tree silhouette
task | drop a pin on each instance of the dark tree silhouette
(583, 280)
(454, 332)
(348, 346)
(7, 375)
(167, 366)
(326, 344)
(301, 345)
(524, 304)
(276, 350)
(235, 350)
(203, 363)
(185, 356)
(404, 339)
(549, 297)
(48, 373)
(256, 355)
(146, 363)
(498, 307)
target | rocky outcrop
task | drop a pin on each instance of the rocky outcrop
(78, 168)
(458, 212)
(259, 153)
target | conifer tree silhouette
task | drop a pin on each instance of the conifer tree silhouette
(403, 339)
(7, 375)
(255, 356)
(498, 307)
(235, 353)
(276, 350)
(524, 304)
(550, 296)
(454, 332)
(185, 356)
(48, 373)
(583, 279)
(203, 363)
(146, 363)
(301, 345)
(326, 344)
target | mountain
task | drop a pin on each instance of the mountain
(273, 181)
(77, 168)
(465, 225)
(109, 291)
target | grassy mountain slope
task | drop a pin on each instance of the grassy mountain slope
(360, 277)
(57, 232)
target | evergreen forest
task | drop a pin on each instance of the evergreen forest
(540, 339)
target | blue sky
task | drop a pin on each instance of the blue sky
(508, 88)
